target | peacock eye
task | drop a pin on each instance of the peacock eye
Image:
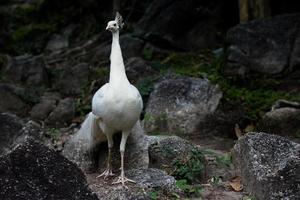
(115, 24)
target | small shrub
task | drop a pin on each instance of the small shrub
(154, 195)
(53, 133)
(191, 169)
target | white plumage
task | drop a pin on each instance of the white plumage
(116, 106)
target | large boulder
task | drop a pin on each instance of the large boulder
(284, 121)
(78, 149)
(12, 128)
(47, 104)
(149, 182)
(33, 171)
(169, 153)
(269, 166)
(268, 46)
(178, 105)
(63, 113)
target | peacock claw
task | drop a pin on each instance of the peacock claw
(123, 180)
(107, 173)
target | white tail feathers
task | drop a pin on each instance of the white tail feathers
(90, 131)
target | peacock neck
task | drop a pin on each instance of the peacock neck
(117, 68)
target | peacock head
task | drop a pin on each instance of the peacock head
(115, 25)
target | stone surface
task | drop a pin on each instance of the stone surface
(11, 99)
(147, 181)
(166, 151)
(78, 150)
(179, 104)
(282, 121)
(137, 69)
(264, 46)
(12, 128)
(72, 79)
(33, 171)
(27, 69)
(63, 113)
(269, 166)
(47, 104)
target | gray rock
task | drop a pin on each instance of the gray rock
(283, 121)
(179, 104)
(27, 69)
(33, 171)
(78, 150)
(147, 181)
(72, 79)
(264, 46)
(57, 42)
(136, 153)
(63, 113)
(47, 104)
(12, 128)
(138, 69)
(269, 166)
(164, 151)
(11, 99)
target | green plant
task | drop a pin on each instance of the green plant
(53, 133)
(188, 189)
(154, 195)
(224, 160)
(190, 169)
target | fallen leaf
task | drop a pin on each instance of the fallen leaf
(236, 184)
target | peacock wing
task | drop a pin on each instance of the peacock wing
(98, 102)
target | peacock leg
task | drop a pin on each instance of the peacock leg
(122, 179)
(108, 172)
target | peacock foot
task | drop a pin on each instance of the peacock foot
(107, 173)
(123, 180)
